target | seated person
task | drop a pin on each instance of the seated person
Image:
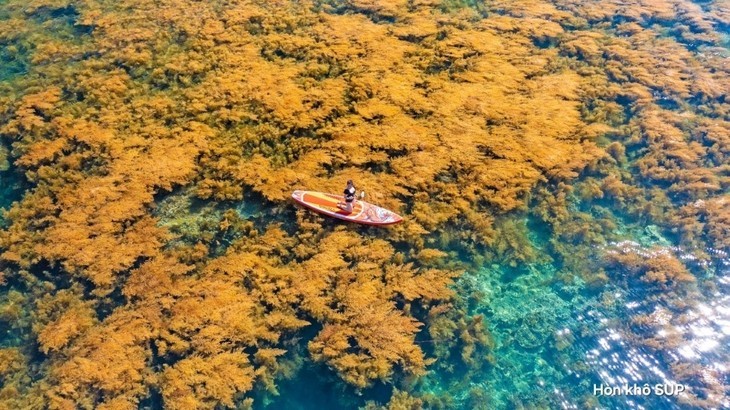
(349, 197)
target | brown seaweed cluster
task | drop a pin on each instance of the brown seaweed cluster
(453, 116)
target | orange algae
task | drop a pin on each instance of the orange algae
(450, 118)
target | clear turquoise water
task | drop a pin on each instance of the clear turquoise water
(557, 341)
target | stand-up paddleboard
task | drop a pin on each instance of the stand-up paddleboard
(362, 212)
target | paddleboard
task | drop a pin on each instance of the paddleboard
(362, 212)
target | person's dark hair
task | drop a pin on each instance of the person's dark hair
(349, 182)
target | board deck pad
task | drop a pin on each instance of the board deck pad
(362, 212)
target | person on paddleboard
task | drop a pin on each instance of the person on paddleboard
(349, 197)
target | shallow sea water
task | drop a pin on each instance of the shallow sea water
(558, 344)
(556, 340)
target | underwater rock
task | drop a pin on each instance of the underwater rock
(529, 317)
(653, 232)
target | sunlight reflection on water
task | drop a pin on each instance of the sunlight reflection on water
(696, 338)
